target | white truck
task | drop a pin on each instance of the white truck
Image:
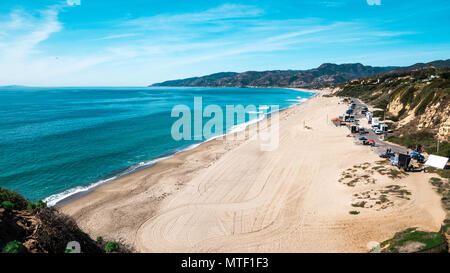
(375, 122)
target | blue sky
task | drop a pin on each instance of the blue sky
(137, 42)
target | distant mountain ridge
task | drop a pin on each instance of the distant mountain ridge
(328, 74)
(324, 75)
(435, 64)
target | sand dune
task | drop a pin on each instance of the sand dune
(229, 196)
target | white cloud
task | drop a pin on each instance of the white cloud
(224, 12)
(21, 61)
(117, 36)
(165, 43)
(22, 33)
(392, 33)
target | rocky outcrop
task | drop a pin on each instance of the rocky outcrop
(444, 129)
(395, 106)
(436, 116)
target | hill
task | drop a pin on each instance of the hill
(325, 75)
(416, 102)
(418, 66)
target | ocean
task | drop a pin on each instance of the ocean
(55, 142)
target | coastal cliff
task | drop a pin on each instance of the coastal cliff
(416, 103)
(32, 227)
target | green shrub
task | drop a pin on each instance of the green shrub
(33, 207)
(14, 247)
(408, 96)
(426, 139)
(99, 239)
(442, 173)
(446, 228)
(7, 205)
(13, 197)
(354, 212)
(444, 148)
(382, 103)
(424, 103)
(378, 114)
(446, 75)
(111, 247)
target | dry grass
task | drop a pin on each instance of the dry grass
(381, 199)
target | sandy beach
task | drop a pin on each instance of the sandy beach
(229, 196)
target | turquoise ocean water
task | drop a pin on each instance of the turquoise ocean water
(55, 142)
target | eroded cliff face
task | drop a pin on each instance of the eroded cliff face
(396, 106)
(444, 129)
(417, 102)
(435, 117)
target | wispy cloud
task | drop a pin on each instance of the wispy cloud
(22, 32)
(117, 36)
(151, 44)
(392, 33)
(215, 15)
(21, 60)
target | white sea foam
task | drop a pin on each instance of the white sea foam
(299, 100)
(55, 198)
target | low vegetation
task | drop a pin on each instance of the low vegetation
(14, 247)
(426, 139)
(112, 247)
(363, 173)
(33, 227)
(381, 199)
(442, 186)
(414, 240)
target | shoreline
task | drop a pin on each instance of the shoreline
(69, 196)
(225, 196)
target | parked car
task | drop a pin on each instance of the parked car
(386, 155)
(378, 131)
(420, 158)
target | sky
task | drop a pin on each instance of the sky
(139, 42)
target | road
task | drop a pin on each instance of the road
(380, 146)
